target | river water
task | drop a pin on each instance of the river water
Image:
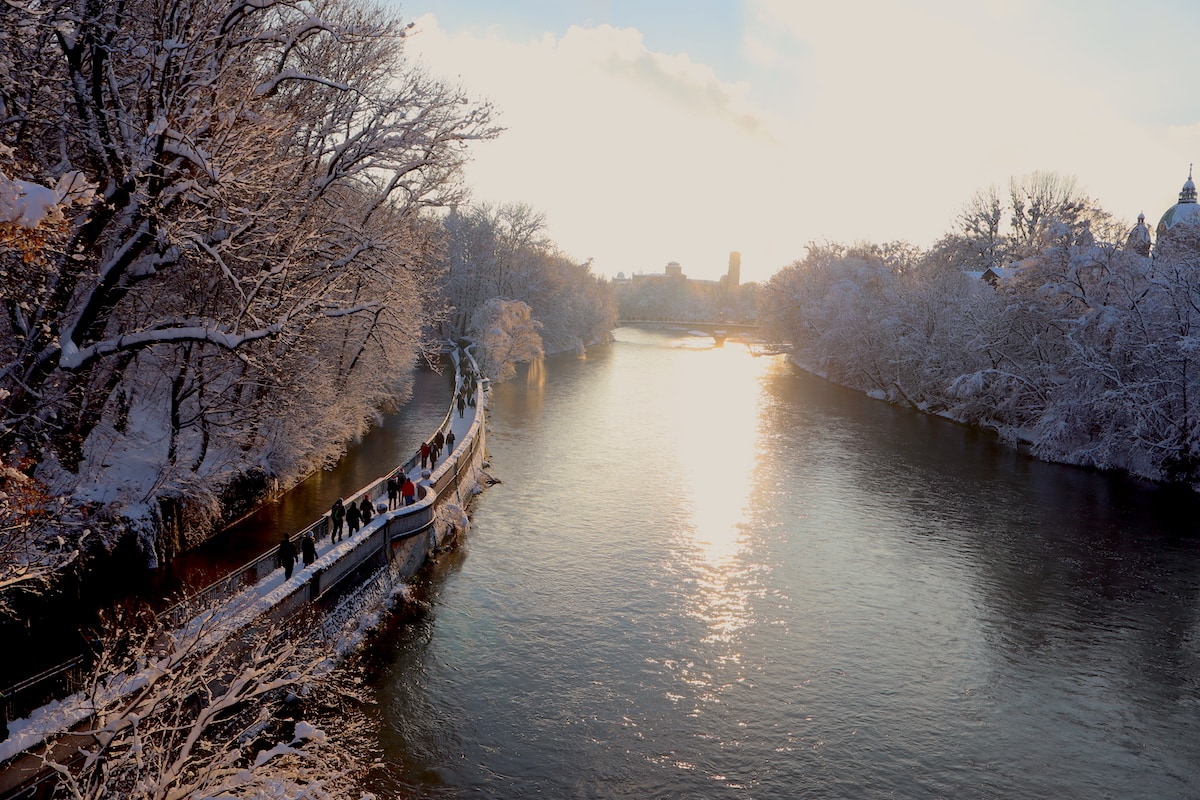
(709, 575)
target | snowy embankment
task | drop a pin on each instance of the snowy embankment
(344, 626)
(201, 633)
(1018, 438)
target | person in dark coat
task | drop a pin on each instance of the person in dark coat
(393, 492)
(287, 556)
(439, 441)
(364, 510)
(308, 548)
(337, 515)
(462, 405)
(449, 442)
(353, 518)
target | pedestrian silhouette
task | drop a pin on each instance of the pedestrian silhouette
(337, 515)
(308, 548)
(287, 556)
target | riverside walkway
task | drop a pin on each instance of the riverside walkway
(393, 546)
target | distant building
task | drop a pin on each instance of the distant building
(1139, 238)
(1186, 210)
(734, 275)
(674, 272)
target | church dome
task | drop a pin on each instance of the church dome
(1186, 210)
(1139, 238)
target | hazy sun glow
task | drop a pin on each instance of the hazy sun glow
(716, 431)
(717, 452)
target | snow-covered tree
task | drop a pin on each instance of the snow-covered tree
(661, 298)
(1084, 350)
(506, 334)
(1040, 201)
(251, 283)
(252, 160)
(39, 536)
(199, 713)
(502, 252)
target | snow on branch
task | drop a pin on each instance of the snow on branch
(74, 357)
(30, 204)
(268, 87)
(197, 713)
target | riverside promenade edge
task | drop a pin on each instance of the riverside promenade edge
(357, 572)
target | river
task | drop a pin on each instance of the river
(710, 575)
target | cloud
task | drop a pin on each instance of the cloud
(690, 87)
(633, 155)
(873, 120)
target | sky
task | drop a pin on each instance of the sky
(650, 131)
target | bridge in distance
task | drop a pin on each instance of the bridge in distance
(718, 329)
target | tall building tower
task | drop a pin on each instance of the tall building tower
(735, 269)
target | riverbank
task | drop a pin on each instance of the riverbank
(1020, 440)
(348, 581)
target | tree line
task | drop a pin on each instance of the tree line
(1081, 347)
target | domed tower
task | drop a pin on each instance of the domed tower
(1138, 240)
(1186, 210)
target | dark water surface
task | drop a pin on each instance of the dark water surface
(707, 575)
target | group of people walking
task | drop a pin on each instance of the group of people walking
(345, 519)
(401, 491)
(287, 552)
(431, 450)
(354, 515)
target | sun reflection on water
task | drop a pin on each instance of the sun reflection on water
(716, 434)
